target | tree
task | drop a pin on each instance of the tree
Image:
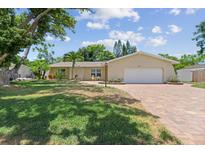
(119, 48)
(129, 47)
(73, 57)
(18, 32)
(104, 56)
(124, 50)
(57, 59)
(200, 37)
(95, 52)
(185, 60)
(31, 27)
(44, 59)
(13, 38)
(188, 60)
(39, 67)
(46, 56)
(169, 56)
(115, 49)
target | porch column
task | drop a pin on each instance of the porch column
(106, 74)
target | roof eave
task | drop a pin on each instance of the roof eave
(146, 54)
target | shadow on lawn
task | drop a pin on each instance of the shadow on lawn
(32, 87)
(71, 119)
(33, 122)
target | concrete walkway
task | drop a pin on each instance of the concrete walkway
(181, 108)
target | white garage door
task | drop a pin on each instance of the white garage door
(143, 75)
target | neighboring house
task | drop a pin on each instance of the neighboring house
(191, 73)
(24, 72)
(6, 74)
(139, 67)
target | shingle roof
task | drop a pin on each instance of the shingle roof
(79, 64)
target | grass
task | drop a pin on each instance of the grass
(199, 85)
(65, 112)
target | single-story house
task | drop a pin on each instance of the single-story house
(189, 73)
(23, 72)
(139, 67)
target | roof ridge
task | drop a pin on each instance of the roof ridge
(144, 53)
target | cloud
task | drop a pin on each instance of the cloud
(156, 41)
(67, 39)
(167, 33)
(114, 35)
(191, 11)
(156, 29)
(140, 28)
(97, 25)
(133, 37)
(108, 43)
(105, 15)
(49, 38)
(175, 12)
(174, 28)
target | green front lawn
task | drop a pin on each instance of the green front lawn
(64, 112)
(199, 85)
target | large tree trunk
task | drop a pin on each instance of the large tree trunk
(43, 75)
(16, 68)
(32, 30)
(6, 76)
(36, 20)
(23, 58)
(3, 57)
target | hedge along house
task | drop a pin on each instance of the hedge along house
(139, 67)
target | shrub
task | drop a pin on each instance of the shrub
(115, 81)
(50, 76)
(59, 75)
(174, 79)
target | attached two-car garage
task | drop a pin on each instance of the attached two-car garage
(143, 75)
(141, 67)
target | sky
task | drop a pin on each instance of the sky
(150, 30)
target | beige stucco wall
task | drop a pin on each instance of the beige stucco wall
(84, 73)
(116, 68)
(53, 71)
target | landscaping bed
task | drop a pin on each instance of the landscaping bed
(175, 83)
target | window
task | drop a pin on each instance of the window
(96, 72)
(61, 71)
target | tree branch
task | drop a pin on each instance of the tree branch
(36, 20)
(3, 57)
(26, 21)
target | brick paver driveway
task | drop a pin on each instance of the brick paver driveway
(180, 107)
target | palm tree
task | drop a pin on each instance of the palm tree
(73, 57)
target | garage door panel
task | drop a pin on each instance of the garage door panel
(143, 75)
